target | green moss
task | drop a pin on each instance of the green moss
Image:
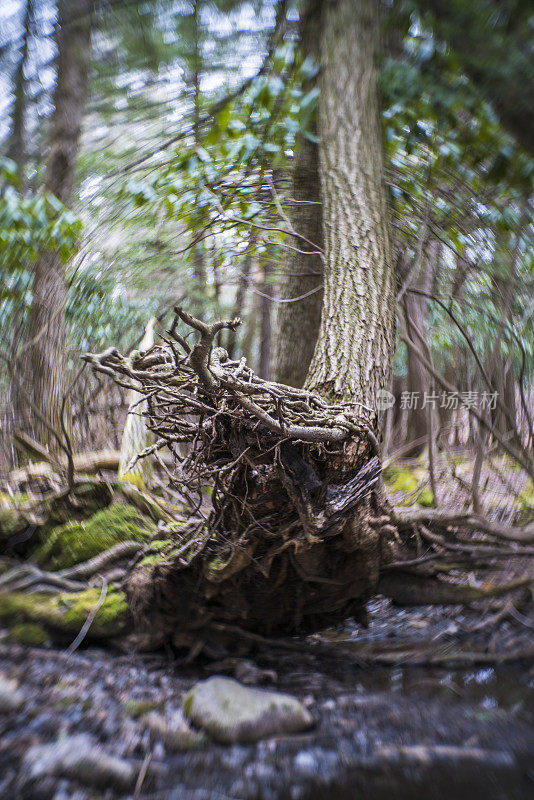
(159, 545)
(83, 502)
(7, 563)
(188, 704)
(138, 708)
(426, 498)
(215, 565)
(29, 634)
(73, 542)
(74, 701)
(525, 502)
(66, 613)
(13, 500)
(135, 480)
(406, 481)
(400, 479)
(11, 522)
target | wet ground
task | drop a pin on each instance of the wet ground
(400, 731)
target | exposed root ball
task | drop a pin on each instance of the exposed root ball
(286, 545)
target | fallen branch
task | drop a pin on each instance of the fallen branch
(85, 463)
(469, 521)
(90, 619)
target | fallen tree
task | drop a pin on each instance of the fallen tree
(299, 533)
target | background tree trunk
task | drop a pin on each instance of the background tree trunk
(16, 146)
(265, 347)
(240, 297)
(47, 359)
(416, 313)
(199, 255)
(352, 359)
(298, 323)
(450, 419)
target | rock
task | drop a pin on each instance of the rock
(78, 758)
(173, 731)
(230, 712)
(305, 761)
(140, 708)
(11, 698)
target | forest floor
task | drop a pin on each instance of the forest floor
(407, 731)
(421, 704)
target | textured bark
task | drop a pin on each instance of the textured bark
(352, 359)
(47, 362)
(298, 323)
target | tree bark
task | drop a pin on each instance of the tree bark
(352, 359)
(47, 360)
(298, 322)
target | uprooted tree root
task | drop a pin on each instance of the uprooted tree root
(299, 534)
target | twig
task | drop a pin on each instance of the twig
(90, 619)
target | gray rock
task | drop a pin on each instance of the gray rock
(11, 699)
(230, 712)
(173, 730)
(78, 758)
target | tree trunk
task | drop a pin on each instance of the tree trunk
(450, 421)
(416, 312)
(16, 147)
(47, 360)
(501, 369)
(352, 359)
(298, 322)
(199, 256)
(240, 296)
(264, 369)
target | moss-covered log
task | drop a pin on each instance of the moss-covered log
(63, 615)
(71, 582)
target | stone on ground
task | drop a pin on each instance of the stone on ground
(231, 712)
(173, 731)
(81, 759)
(11, 698)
